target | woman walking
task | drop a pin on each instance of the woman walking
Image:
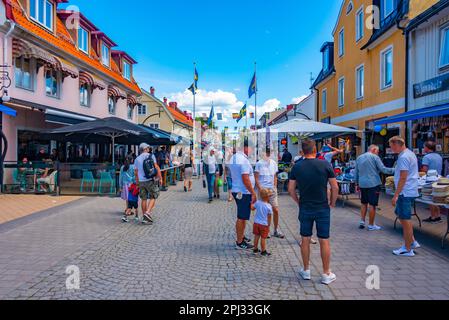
(188, 171)
(126, 178)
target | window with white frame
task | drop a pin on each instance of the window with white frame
(444, 47)
(387, 8)
(126, 70)
(142, 110)
(360, 82)
(359, 24)
(130, 111)
(111, 105)
(85, 95)
(41, 11)
(326, 59)
(386, 68)
(341, 92)
(105, 55)
(154, 125)
(23, 71)
(52, 84)
(324, 101)
(341, 43)
(83, 40)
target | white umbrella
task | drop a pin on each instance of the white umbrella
(303, 127)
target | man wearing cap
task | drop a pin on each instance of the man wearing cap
(149, 188)
(432, 161)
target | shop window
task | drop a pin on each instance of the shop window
(444, 48)
(83, 40)
(111, 105)
(360, 82)
(85, 95)
(41, 11)
(341, 92)
(386, 71)
(52, 83)
(24, 76)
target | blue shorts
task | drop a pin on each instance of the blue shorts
(243, 206)
(404, 208)
(321, 218)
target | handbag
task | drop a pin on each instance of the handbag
(204, 184)
(225, 187)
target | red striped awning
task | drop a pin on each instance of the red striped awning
(87, 78)
(115, 92)
(22, 48)
(132, 100)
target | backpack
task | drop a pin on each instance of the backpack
(148, 167)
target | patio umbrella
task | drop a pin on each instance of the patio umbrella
(113, 128)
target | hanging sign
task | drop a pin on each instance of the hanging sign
(5, 80)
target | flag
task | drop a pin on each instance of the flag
(219, 116)
(242, 113)
(193, 88)
(251, 115)
(235, 116)
(211, 116)
(196, 78)
(253, 86)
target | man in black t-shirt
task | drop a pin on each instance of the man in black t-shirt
(311, 177)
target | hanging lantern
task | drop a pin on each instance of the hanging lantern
(284, 142)
(378, 129)
(383, 132)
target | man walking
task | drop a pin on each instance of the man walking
(266, 178)
(432, 161)
(312, 177)
(406, 177)
(243, 192)
(368, 167)
(148, 182)
(210, 170)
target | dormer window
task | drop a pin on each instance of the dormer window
(105, 55)
(126, 70)
(83, 40)
(41, 11)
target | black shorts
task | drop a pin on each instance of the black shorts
(370, 196)
(243, 206)
(133, 204)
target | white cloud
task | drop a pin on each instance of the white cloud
(298, 99)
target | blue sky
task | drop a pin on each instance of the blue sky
(224, 38)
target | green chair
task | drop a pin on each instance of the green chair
(106, 178)
(18, 179)
(88, 178)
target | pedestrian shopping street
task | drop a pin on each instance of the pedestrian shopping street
(189, 253)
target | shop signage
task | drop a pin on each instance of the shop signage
(5, 80)
(431, 86)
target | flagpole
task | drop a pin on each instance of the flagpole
(246, 125)
(255, 112)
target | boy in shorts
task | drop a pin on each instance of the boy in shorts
(261, 229)
(133, 203)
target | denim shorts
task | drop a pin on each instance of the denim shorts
(404, 208)
(243, 206)
(321, 218)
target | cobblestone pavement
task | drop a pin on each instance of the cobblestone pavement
(189, 254)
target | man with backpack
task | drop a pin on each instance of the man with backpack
(148, 175)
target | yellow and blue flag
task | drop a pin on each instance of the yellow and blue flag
(253, 87)
(242, 113)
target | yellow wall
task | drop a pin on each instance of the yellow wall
(419, 6)
(346, 67)
(165, 122)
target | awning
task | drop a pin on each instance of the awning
(22, 48)
(435, 111)
(66, 118)
(132, 100)
(8, 111)
(66, 69)
(87, 78)
(115, 92)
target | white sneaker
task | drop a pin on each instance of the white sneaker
(327, 279)
(374, 228)
(305, 274)
(416, 245)
(362, 225)
(403, 252)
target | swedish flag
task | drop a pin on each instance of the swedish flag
(194, 87)
(242, 113)
(253, 87)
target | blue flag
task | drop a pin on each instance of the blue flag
(211, 116)
(253, 87)
(194, 87)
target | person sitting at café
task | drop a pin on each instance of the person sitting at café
(432, 161)
(48, 179)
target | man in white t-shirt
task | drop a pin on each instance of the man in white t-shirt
(266, 178)
(406, 181)
(243, 183)
(149, 188)
(210, 170)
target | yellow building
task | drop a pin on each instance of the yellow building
(364, 69)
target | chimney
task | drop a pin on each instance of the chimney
(173, 105)
(165, 100)
(152, 90)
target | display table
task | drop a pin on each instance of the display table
(430, 203)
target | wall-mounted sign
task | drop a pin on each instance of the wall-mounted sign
(5, 80)
(431, 86)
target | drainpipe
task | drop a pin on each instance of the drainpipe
(405, 7)
(5, 42)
